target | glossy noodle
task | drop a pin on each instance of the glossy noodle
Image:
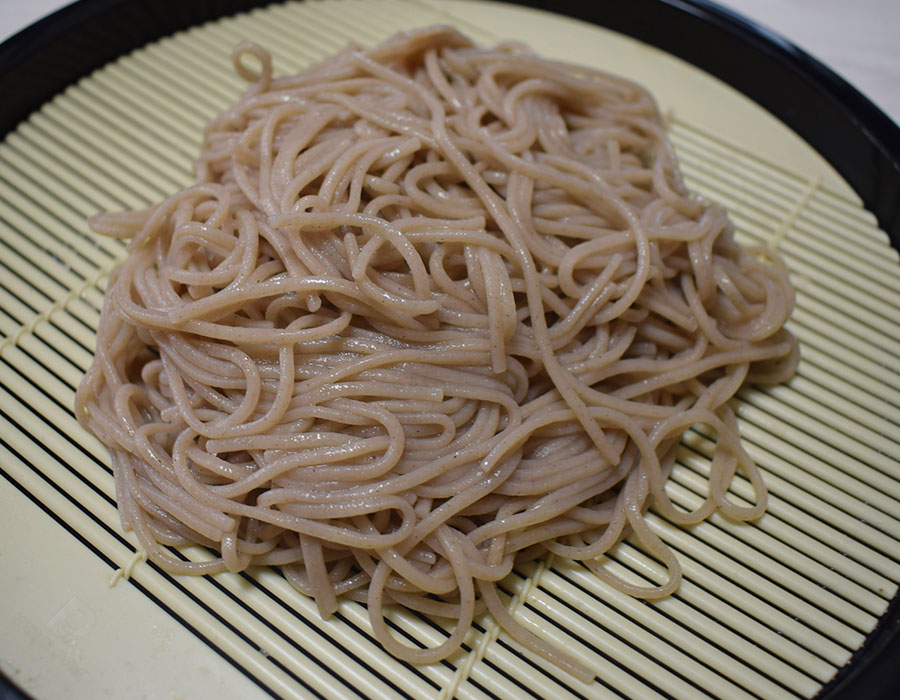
(430, 311)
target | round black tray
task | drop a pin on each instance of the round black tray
(851, 133)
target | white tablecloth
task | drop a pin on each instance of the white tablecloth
(856, 39)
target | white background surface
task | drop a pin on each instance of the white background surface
(858, 39)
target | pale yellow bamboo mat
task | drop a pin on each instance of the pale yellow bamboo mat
(769, 610)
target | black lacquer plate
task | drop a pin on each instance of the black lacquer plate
(853, 135)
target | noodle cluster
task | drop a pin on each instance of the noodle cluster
(429, 311)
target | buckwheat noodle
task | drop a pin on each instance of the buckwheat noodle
(430, 311)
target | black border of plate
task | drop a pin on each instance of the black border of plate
(850, 132)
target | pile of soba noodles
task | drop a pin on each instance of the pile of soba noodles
(430, 311)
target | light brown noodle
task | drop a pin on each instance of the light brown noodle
(429, 311)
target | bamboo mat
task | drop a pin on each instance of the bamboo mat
(771, 609)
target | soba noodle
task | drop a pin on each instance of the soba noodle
(430, 311)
